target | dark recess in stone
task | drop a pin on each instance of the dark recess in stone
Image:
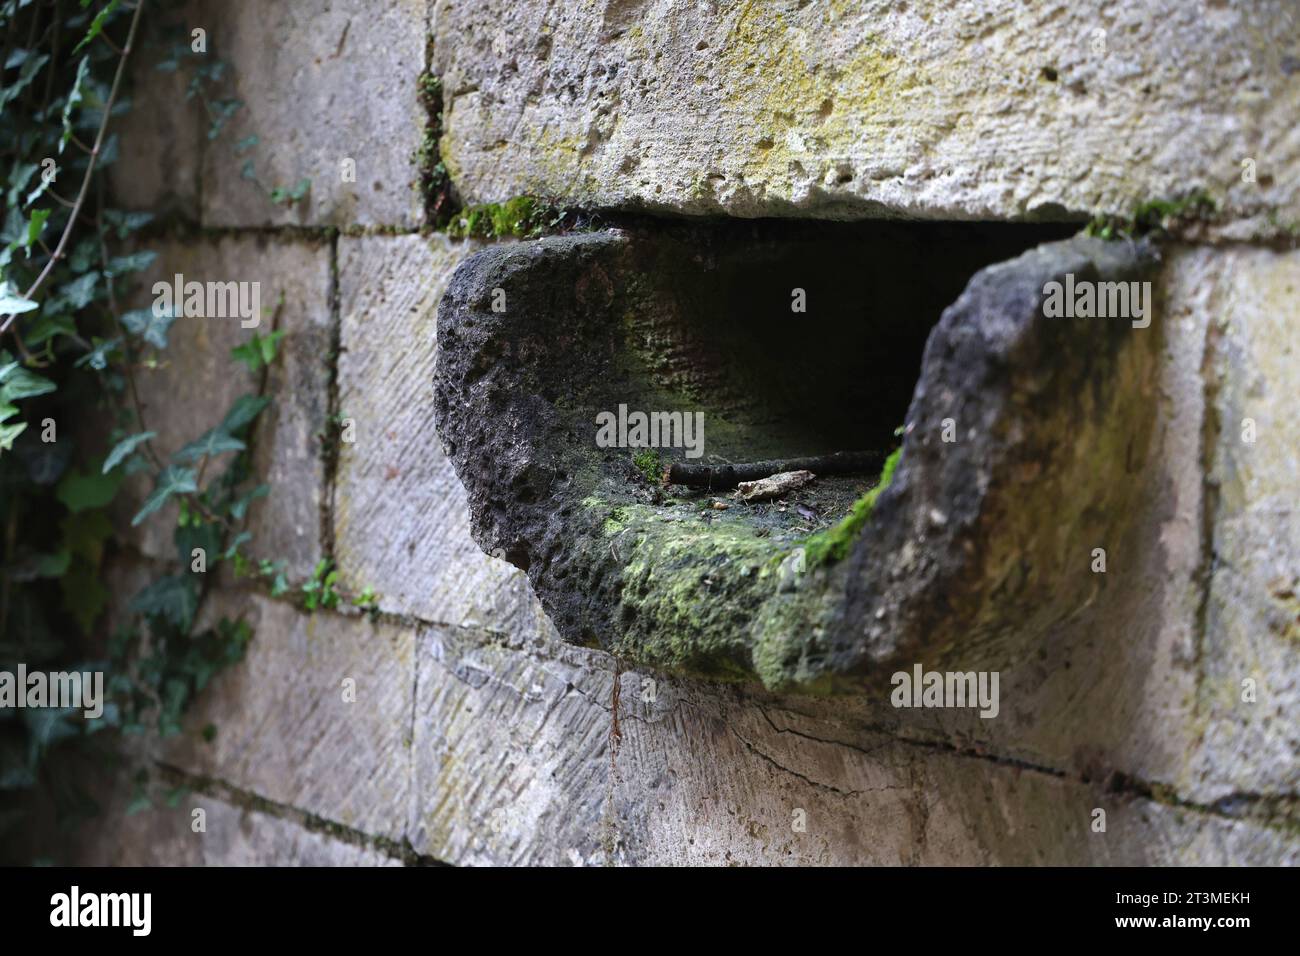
(698, 317)
(839, 376)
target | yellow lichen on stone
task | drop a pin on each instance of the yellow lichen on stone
(807, 110)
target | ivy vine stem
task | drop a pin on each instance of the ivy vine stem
(57, 254)
(129, 365)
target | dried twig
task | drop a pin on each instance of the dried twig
(722, 477)
(774, 486)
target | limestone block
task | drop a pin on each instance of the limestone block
(401, 521)
(518, 760)
(235, 836)
(198, 381)
(285, 729)
(511, 759)
(338, 81)
(861, 108)
(1251, 618)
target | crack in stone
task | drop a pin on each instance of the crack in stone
(768, 758)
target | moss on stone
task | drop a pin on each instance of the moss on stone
(434, 181)
(806, 105)
(650, 465)
(833, 544)
(686, 588)
(522, 217)
(1154, 216)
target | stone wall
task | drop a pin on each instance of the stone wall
(477, 736)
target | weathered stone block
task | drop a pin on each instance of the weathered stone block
(400, 520)
(339, 82)
(763, 783)
(198, 381)
(317, 717)
(511, 759)
(1250, 622)
(860, 109)
(235, 836)
(518, 760)
(163, 137)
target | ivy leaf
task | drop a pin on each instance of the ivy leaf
(171, 481)
(10, 432)
(48, 326)
(221, 111)
(17, 383)
(31, 65)
(240, 507)
(293, 194)
(11, 303)
(97, 24)
(173, 599)
(97, 357)
(149, 325)
(200, 534)
(35, 226)
(242, 538)
(258, 351)
(213, 443)
(124, 448)
(126, 223)
(140, 802)
(84, 535)
(74, 97)
(53, 565)
(135, 262)
(78, 293)
(18, 179)
(83, 254)
(242, 412)
(80, 492)
(39, 191)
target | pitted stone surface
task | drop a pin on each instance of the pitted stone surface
(861, 108)
(234, 836)
(518, 391)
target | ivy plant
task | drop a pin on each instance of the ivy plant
(75, 437)
(72, 425)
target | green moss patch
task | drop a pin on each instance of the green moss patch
(833, 544)
(522, 217)
(1154, 217)
(650, 465)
